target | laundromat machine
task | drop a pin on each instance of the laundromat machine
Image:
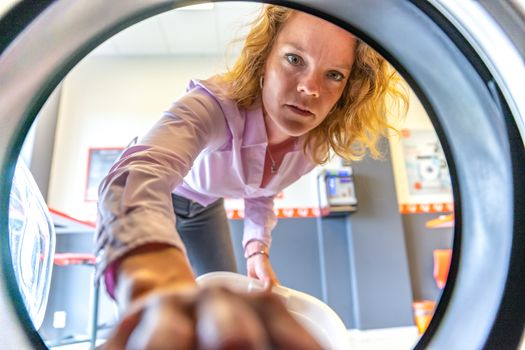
(463, 58)
(336, 189)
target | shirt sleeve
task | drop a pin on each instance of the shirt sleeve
(135, 205)
(259, 220)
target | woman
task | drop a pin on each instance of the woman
(301, 87)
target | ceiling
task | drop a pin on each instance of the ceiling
(186, 31)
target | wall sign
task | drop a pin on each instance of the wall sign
(425, 163)
(99, 163)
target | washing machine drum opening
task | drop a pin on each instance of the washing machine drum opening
(474, 110)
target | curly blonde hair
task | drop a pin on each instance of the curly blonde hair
(359, 120)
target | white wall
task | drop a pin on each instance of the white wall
(105, 103)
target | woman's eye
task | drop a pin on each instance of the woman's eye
(293, 59)
(336, 76)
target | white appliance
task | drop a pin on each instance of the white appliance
(32, 241)
(337, 194)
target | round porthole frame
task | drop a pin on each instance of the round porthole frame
(479, 123)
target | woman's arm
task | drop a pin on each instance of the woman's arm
(135, 205)
(259, 221)
(152, 268)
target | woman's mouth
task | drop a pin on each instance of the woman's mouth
(299, 110)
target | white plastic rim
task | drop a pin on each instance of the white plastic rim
(315, 316)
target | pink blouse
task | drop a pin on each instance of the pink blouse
(203, 148)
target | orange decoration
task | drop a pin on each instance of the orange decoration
(423, 312)
(441, 266)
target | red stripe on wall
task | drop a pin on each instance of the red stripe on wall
(426, 208)
(283, 213)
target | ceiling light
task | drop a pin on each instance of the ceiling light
(205, 6)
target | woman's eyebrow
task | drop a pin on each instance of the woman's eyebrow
(345, 66)
(299, 48)
(294, 46)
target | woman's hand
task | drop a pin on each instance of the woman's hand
(163, 308)
(258, 264)
(259, 267)
(209, 318)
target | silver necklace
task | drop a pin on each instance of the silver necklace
(273, 167)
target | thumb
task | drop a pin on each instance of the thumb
(268, 277)
(122, 332)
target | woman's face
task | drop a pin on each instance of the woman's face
(305, 74)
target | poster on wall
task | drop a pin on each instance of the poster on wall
(99, 162)
(425, 163)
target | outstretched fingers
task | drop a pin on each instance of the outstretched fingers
(226, 321)
(210, 318)
(163, 321)
(121, 333)
(284, 331)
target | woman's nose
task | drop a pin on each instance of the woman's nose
(309, 84)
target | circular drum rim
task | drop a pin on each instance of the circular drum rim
(481, 147)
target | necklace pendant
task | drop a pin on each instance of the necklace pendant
(273, 169)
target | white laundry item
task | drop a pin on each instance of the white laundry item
(313, 314)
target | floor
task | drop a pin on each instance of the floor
(403, 338)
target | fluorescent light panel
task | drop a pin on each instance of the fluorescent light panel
(206, 6)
